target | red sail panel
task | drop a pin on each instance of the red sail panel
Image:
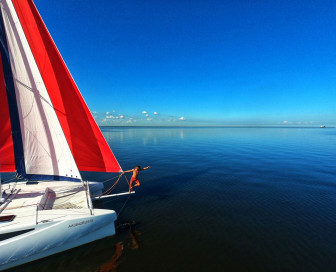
(88, 146)
(7, 162)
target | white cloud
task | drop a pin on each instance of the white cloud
(182, 118)
(144, 112)
(121, 116)
(285, 122)
(107, 112)
(155, 113)
(146, 115)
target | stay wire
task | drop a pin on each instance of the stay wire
(124, 205)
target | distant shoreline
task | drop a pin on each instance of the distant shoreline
(213, 127)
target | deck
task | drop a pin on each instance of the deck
(44, 201)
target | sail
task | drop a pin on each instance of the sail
(7, 163)
(54, 133)
(40, 147)
(88, 146)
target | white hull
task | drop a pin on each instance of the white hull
(48, 231)
(54, 237)
(96, 188)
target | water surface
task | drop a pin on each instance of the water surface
(217, 199)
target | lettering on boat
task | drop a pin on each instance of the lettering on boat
(81, 223)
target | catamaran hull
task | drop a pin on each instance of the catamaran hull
(96, 188)
(54, 237)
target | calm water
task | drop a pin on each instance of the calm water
(218, 199)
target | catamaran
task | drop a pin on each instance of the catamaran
(47, 136)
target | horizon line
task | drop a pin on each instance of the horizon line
(204, 126)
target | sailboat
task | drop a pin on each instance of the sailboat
(47, 136)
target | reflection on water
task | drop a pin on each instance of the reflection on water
(217, 199)
(132, 243)
(112, 264)
(134, 234)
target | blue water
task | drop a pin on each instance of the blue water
(218, 199)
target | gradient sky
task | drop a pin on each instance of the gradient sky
(200, 62)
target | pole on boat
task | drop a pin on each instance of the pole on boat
(88, 197)
(36, 213)
(108, 196)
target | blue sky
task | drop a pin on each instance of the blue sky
(200, 62)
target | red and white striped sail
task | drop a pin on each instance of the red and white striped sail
(58, 133)
(7, 163)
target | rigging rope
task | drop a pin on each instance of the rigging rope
(114, 184)
(110, 189)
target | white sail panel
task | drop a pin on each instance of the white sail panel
(46, 151)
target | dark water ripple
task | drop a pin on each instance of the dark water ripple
(220, 199)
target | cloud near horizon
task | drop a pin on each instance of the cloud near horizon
(113, 118)
(155, 119)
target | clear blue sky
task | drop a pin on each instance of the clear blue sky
(200, 62)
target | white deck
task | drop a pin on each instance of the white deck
(45, 201)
